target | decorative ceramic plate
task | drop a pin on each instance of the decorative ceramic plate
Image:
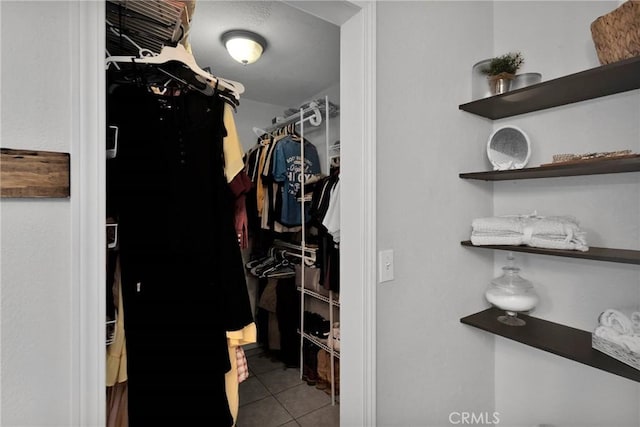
(508, 148)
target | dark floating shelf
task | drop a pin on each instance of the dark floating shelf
(601, 81)
(592, 167)
(564, 341)
(624, 256)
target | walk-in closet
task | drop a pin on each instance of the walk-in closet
(223, 215)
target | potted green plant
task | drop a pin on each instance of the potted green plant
(502, 70)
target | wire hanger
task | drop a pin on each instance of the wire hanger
(260, 132)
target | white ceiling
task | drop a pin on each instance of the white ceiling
(302, 57)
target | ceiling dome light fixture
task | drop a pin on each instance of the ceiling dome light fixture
(244, 46)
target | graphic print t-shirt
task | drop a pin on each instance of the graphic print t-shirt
(288, 169)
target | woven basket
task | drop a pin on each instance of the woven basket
(616, 351)
(616, 35)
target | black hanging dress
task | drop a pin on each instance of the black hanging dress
(182, 274)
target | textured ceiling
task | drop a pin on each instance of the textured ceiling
(302, 56)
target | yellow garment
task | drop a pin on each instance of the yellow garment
(233, 153)
(259, 187)
(117, 351)
(247, 335)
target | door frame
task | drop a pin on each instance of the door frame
(358, 216)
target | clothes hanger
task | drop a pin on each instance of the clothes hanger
(173, 54)
(229, 99)
(180, 54)
(260, 132)
(293, 134)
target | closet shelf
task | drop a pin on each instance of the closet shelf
(601, 81)
(593, 167)
(623, 256)
(561, 340)
(320, 297)
(152, 24)
(320, 343)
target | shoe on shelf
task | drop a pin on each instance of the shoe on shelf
(312, 378)
(322, 385)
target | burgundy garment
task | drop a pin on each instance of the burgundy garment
(240, 185)
(183, 280)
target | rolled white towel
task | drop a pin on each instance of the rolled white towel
(616, 320)
(607, 333)
(630, 342)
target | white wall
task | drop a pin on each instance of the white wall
(429, 364)
(532, 386)
(254, 114)
(36, 234)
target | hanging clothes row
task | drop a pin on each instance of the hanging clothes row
(184, 296)
(275, 167)
(324, 213)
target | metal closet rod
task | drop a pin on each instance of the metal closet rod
(316, 108)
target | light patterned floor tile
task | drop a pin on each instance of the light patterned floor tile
(303, 399)
(281, 379)
(251, 390)
(262, 363)
(263, 413)
(328, 416)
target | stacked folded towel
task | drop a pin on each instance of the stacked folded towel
(553, 232)
(620, 328)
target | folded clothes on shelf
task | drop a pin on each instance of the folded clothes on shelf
(553, 232)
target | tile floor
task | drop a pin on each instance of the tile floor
(273, 396)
